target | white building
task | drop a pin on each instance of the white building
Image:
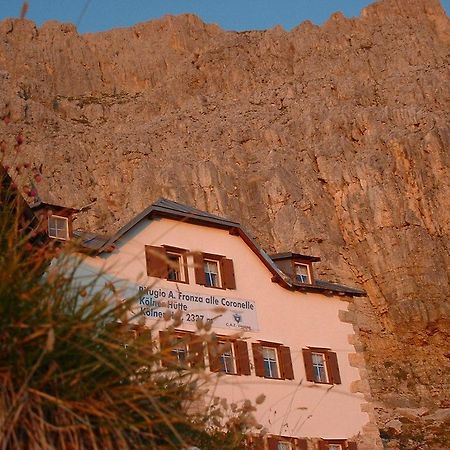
(295, 345)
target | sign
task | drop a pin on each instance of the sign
(223, 312)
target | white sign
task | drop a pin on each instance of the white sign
(224, 312)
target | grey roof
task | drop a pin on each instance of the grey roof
(289, 255)
(90, 241)
(332, 287)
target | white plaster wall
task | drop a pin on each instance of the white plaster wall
(292, 407)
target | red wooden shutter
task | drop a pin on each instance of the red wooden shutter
(273, 443)
(242, 359)
(323, 445)
(199, 269)
(156, 258)
(307, 359)
(258, 359)
(352, 445)
(257, 443)
(302, 444)
(286, 369)
(145, 338)
(227, 272)
(213, 353)
(333, 367)
(196, 353)
(164, 342)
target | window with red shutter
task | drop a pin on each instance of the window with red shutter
(273, 360)
(229, 356)
(181, 348)
(336, 444)
(321, 366)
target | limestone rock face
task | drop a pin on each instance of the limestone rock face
(327, 140)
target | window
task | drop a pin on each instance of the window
(286, 443)
(214, 271)
(320, 372)
(181, 349)
(167, 262)
(302, 273)
(272, 361)
(229, 356)
(226, 359)
(58, 227)
(175, 271)
(337, 444)
(321, 366)
(212, 277)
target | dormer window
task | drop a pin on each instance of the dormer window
(58, 227)
(296, 266)
(302, 273)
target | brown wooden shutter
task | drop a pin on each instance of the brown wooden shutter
(286, 369)
(307, 359)
(333, 367)
(323, 445)
(227, 272)
(242, 359)
(258, 359)
(165, 343)
(196, 352)
(352, 445)
(257, 443)
(273, 443)
(156, 258)
(199, 269)
(213, 354)
(302, 444)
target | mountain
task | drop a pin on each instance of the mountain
(328, 140)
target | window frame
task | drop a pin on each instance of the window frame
(325, 368)
(66, 228)
(181, 253)
(206, 260)
(231, 354)
(277, 362)
(308, 270)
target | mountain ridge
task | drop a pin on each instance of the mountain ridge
(329, 139)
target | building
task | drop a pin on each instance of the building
(280, 330)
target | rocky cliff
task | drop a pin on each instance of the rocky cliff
(327, 140)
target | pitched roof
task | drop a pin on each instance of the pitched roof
(177, 211)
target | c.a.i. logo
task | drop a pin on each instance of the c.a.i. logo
(237, 317)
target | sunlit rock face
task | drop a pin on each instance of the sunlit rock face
(327, 140)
